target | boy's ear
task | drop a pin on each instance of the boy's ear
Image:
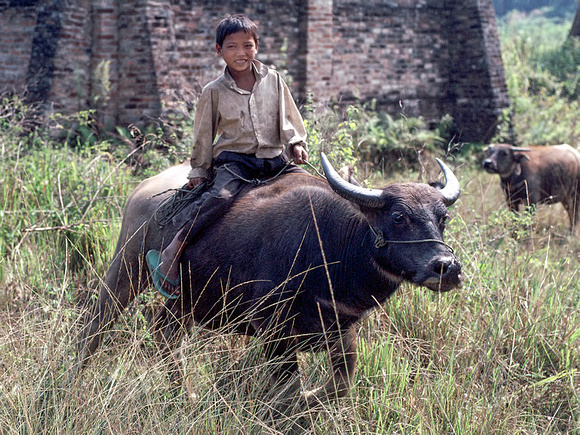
(218, 49)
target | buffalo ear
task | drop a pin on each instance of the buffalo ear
(520, 158)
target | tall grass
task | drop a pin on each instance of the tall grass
(543, 76)
(500, 355)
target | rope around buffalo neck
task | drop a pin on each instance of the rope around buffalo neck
(380, 240)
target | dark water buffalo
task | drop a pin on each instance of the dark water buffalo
(538, 174)
(292, 261)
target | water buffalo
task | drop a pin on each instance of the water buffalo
(298, 261)
(537, 174)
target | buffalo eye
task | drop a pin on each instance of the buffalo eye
(443, 221)
(398, 218)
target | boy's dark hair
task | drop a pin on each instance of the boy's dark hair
(233, 24)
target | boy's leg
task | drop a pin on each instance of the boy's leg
(214, 203)
(280, 165)
(229, 180)
(169, 264)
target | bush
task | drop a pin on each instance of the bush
(542, 68)
(360, 135)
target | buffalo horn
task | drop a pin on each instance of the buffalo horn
(452, 189)
(521, 149)
(362, 196)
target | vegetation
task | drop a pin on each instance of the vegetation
(500, 355)
(543, 77)
(554, 7)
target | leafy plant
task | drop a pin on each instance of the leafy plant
(330, 134)
(386, 141)
(542, 71)
(359, 135)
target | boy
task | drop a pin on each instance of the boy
(251, 112)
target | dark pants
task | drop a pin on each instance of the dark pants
(232, 171)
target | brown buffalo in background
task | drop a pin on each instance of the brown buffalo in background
(538, 174)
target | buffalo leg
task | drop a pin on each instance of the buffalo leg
(285, 382)
(573, 209)
(276, 332)
(574, 219)
(122, 283)
(281, 351)
(343, 365)
(170, 326)
(280, 348)
(272, 322)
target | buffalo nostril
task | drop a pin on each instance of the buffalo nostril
(441, 266)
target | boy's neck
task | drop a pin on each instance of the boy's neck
(244, 80)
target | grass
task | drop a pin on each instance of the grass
(501, 355)
(543, 79)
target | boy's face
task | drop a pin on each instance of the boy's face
(238, 51)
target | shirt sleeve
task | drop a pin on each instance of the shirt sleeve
(292, 131)
(204, 132)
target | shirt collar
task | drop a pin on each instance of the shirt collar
(260, 71)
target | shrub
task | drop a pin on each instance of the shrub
(543, 72)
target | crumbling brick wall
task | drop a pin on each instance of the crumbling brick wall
(136, 60)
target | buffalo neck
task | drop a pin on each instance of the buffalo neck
(357, 281)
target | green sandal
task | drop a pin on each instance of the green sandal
(157, 277)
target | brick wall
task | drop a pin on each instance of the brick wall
(420, 57)
(71, 79)
(396, 51)
(476, 76)
(15, 45)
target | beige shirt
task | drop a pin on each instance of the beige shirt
(262, 122)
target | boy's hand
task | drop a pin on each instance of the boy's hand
(194, 182)
(300, 155)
